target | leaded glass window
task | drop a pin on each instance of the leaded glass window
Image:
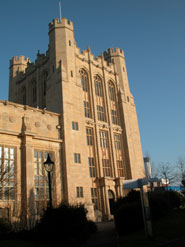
(7, 173)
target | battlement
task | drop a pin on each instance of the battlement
(113, 52)
(56, 23)
(99, 61)
(18, 60)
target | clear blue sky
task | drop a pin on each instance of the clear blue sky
(152, 34)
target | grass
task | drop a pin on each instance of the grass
(169, 228)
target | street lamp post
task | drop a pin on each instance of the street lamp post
(48, 165)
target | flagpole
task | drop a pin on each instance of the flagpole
(60, 14)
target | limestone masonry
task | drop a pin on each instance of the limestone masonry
(79, 109)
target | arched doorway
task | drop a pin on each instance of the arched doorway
(111, 200)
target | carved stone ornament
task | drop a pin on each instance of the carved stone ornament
(37, 124)
(49, 127)
(12, 119)
(26, 123)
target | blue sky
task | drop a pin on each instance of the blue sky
(152, 35)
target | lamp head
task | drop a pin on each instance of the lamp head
(48, 164)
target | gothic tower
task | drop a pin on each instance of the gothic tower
(101, 142)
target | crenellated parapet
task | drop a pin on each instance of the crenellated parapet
(19, 60)
(56, 23)
(98, 62)
(113, 52)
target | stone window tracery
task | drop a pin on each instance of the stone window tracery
(79, 192)
(89, 136)
(107, 172)
(41, 190)
(7, 176)
(100, 113)
(84, 80)
(98, 86)
(100, 104)
(119, 156)
(92, 170)
(77, 158)
(113, 103)
(87, 110)
(94, 197)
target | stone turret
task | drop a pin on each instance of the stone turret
(17, 68)
(117, 57)
(62, 45)
(18, 64)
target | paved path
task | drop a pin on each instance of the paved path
(104, 237)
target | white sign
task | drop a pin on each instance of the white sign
(137, 183)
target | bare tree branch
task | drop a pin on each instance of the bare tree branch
(167, 172)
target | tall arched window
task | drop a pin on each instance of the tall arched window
(84, 80)
(98, 86)
(100, 106)
(112, 94)
(86, 95)
(113, 105)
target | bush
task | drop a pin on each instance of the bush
(128, 218)
(128, 212)
(161, 203)
(5, 227)
(66, 224)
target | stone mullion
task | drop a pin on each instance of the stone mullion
(27, 179)
(94, 112)
(119, 104)
(111, 149)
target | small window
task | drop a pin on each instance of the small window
(101, 113)
(89, 136)
(75, 125)
(79, 192)
(120, 168)
(69, 42)
(53, 69)
(71, 73)
(103, 139)
(114, 117)
(128, 99)
(112, 94)
(98, 88)
(77, 158)
(94, 197)
(92, 170)
(107, 172)
(117, 141)
(84, 80)
(87, 110)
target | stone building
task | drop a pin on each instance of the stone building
(80, 109)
